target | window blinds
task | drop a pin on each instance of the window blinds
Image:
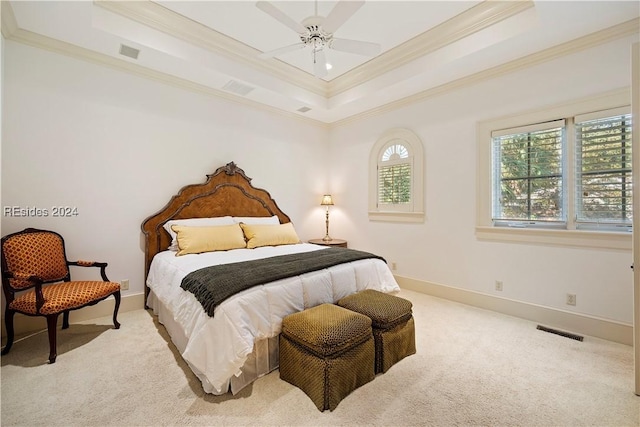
(394, 183)
(603, 169)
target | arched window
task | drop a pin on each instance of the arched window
(396, 178)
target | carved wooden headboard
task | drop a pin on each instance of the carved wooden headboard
(227, 191)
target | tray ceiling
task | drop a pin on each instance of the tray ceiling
(213, 46)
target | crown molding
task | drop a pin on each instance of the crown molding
(8, 22)
(625, 29)
(11, 31)
(471, 21)
(173, 24)
(475, 19)
(53, 45)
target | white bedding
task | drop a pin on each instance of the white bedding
(216, 348)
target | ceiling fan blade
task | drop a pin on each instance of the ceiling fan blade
(340, 14)
(355, 46)
(319, 64)
(280, 51)
(280, 16)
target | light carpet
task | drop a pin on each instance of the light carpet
(472, 368)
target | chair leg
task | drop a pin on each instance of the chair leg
(116, 324)
(8, 324)
(65, 319)
(52, 322)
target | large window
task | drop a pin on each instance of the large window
(532, 173)
(396, 189)
(560, 175)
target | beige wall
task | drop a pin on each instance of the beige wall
(117, 147)
(444, 249)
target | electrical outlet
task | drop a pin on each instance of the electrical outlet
(498, 285)
(571, 299)
(393, 265)
(124, 284)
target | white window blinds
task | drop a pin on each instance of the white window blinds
(528, 173)
(394, 184)
(395, 176)
(603, 169)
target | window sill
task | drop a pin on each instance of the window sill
(569, 238)
(396, 216)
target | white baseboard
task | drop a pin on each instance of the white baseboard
(28, 324)
(565, 320)
(571, 322)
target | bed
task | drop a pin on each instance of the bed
(236, 342)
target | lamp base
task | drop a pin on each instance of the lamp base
(326, 237)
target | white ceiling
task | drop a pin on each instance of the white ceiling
(426, 45)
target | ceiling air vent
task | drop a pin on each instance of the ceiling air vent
(129, 51)
(304, 109)
(237, 87)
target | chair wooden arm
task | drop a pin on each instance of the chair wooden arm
(24, 277)
(27, 277)
(101, 265)
(20, 275)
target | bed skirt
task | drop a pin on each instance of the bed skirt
(260, 362)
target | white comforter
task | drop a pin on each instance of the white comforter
(217, 347)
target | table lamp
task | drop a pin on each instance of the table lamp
(327, 201)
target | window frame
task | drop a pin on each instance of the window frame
(569, 236)
(413, 211)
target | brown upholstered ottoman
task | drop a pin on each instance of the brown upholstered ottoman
(392, 321)
(327, 351)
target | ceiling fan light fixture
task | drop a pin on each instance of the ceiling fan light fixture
(316, 32)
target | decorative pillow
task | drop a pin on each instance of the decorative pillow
(194, 222)
(273, 220)
(269, 235)
(195, 240)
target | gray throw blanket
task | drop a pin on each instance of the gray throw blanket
(212, 285)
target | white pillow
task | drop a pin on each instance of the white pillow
(257, 220)
(194, 222)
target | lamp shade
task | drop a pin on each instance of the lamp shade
(326, 200)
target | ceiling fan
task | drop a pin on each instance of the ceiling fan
(316, 32)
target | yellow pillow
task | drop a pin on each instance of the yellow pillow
(269, 235)
(195, 240)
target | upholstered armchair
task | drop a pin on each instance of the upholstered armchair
(37, 282)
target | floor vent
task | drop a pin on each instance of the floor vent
(561, 333)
